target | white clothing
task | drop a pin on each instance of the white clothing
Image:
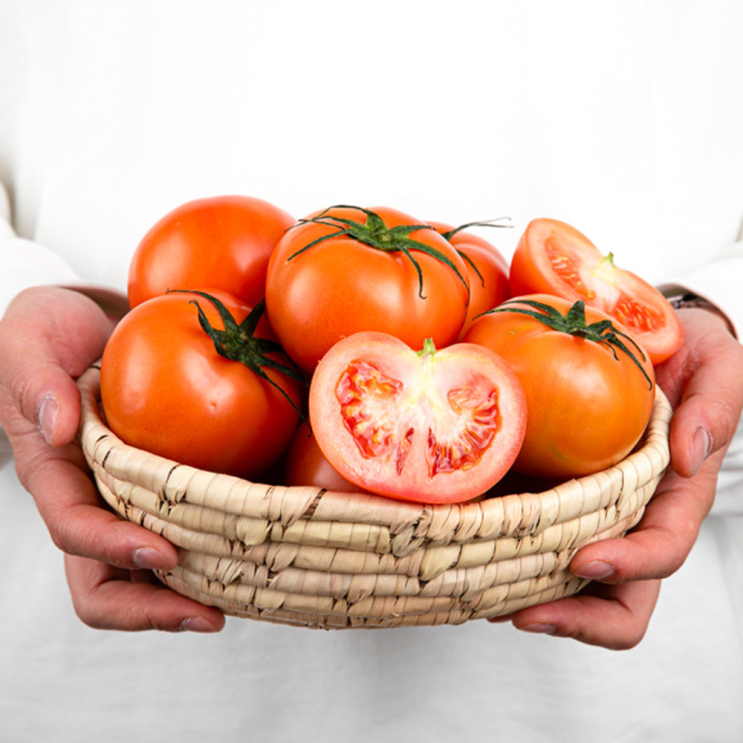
(625, 120)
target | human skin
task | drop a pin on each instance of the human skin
(107, 560)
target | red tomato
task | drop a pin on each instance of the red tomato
(431, 426)
(222, 242)
(487, 271)
(305, 464)
(166, 389)
(348, 269)
(554, 258)
(588, 401)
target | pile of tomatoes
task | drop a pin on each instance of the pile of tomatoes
(362, 349)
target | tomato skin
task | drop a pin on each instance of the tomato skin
(552, 257)
(586, 409)
(221, 242)
(439, 427)
(165, 389)
(342, 286)
(491, 287)
(305, 464)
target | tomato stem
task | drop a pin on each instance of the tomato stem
(485, 223)
(574, 323)
(376, 234)
(429, 348)
(238, 342)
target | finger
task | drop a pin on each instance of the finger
(704, 382)
(77, 522)
(106, 598)
(614, 617)
(661, 542)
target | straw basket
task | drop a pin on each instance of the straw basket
(315, 558)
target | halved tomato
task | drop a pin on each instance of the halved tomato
(434, 426)
(554, 258)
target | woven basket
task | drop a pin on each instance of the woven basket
(310, 557)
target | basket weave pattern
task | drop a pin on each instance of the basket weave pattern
(310, 557)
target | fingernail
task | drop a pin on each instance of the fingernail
(595, 570)
(539, 628)
(148, 558)
(48, 417)
(197, 624)
(701, 446)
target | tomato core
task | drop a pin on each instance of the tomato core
(454, 429)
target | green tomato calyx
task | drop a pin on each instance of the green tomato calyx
(238, 342)
(376, 234)
(574, 323)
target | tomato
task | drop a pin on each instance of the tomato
(588, 400)
(166, 389)
(305, 464)
(435, 426)
(554, 258)
(487, 270)
(348, 269)
(222, 242)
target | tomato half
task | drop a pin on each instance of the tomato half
(165, 389)
(222, 242)
(432, 426)
(554, 258)
(588, 401)
(487, 271)
(349, 269)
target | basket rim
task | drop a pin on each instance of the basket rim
(649, 459)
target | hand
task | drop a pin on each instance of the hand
(48, 337)
(705, 388)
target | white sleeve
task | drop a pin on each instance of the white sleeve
(24, 263)
(719, 281)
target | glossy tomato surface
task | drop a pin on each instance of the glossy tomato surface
(487, 271)
(305, 464)
(165, 389)
(553, 257)
(323, 285)
(588, 403)
(433, 427)
(222, 242)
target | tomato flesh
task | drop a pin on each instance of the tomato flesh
(553, 257)
(439, 426)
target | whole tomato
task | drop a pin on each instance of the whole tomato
(589, 389)
(221, 242)
(348, 269)
(431, 426)
(305, 464)
(553, 257)
(487, 269)
(185, 377)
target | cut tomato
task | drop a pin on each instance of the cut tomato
(430, 426)
(554, 258)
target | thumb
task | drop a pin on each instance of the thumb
(43, 353)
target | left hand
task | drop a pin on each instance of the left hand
(704, 385)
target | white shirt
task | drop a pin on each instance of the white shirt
(623, 120)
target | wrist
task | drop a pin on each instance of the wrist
(681, 298)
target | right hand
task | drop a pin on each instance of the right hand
(48, 337)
